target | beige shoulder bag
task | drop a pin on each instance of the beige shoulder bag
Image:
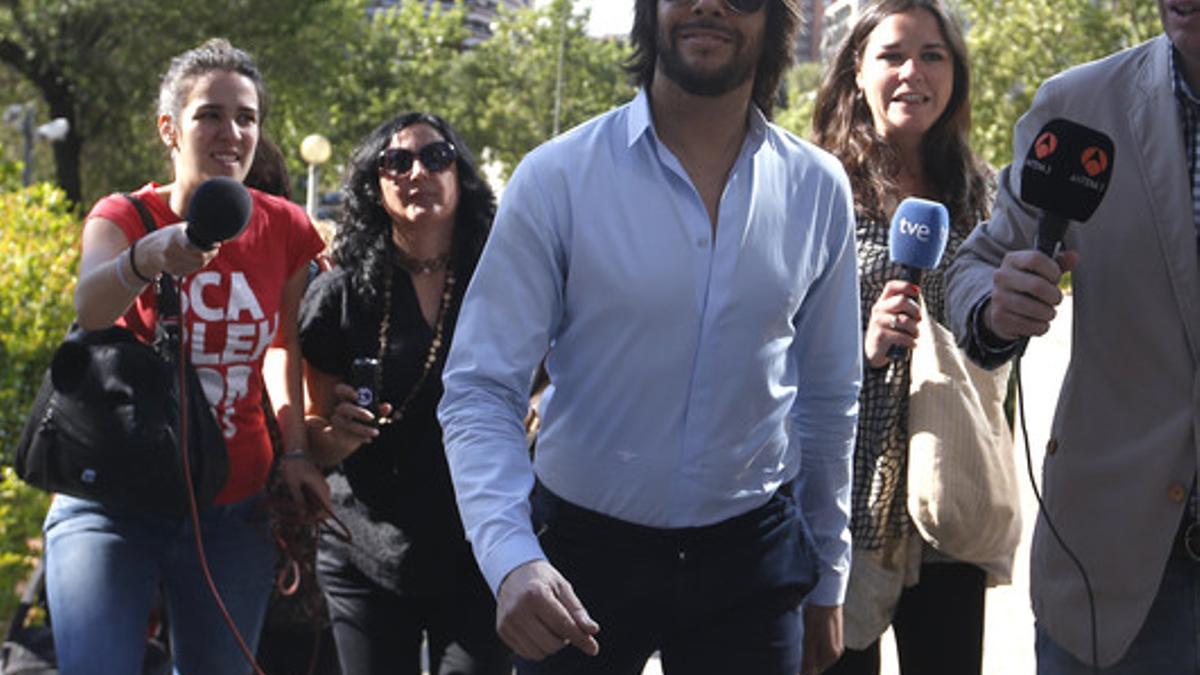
(962, 484)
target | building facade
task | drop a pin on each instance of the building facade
(812, 21)
(480, 13)
(837, 20)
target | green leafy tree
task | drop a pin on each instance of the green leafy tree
(331, 66)
(800, 93)
(1016, 44)
(97, 63)
(512, 82)
(402, 58)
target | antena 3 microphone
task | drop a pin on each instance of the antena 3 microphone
(916, 241)
(1066, 173)
(218, 211)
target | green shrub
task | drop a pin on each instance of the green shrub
(21, 512)
(39, 257)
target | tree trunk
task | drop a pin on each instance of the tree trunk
(56, 88)
(68, 150)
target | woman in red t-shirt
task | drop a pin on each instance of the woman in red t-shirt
(239, 307)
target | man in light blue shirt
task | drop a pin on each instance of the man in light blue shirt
(688, 272)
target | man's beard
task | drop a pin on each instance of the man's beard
(724, 79)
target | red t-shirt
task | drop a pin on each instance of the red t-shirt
(231, 315)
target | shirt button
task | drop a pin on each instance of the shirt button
(1051, 446)
(1177, 493)
(702, 242)
(683, 556)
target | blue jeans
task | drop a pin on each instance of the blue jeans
(104, 568)
(724, 598)
(1167, 642)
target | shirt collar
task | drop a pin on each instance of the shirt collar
(641, 121)
(1182, 90)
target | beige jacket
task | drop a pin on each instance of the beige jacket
(1124, 441)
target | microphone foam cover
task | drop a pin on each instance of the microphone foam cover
(918, 234)
(218, 211)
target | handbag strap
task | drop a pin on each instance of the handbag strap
(143, 212)
(168, 297)
(150, 225)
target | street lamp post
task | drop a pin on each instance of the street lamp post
(21, 116)
(315, 151)
(27, 133)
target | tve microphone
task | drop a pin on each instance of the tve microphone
(219, 210)
(1066, 174)
(916, 241)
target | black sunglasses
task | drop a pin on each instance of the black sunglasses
(437, 156)
(739, 6)
(745, 6)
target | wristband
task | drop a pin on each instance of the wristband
(295, 453)
(133, 264)
(136, 288)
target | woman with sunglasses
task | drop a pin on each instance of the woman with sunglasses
(407, 241)
(895, 109)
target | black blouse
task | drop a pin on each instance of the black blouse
(393, 493)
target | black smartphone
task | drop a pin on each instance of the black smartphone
(364, 377)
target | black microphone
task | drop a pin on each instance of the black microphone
(218, 211)
(1066, 173)
(917, 240)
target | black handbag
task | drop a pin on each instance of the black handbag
(105, 423)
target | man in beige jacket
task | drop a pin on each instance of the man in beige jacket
(1121, 462)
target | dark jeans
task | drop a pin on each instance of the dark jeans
(718, 599)
(938, 626)
(380, 631)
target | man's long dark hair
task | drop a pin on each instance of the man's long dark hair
(843, 125)
(778, 49)
(363, 244)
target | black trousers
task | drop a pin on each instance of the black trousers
(718, 599)
(938, 626)
(378, 631)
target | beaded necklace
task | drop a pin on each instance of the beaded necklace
(435, 345)
(416, 266)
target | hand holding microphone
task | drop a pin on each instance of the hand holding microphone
(218, 210)
(916, 241)
(1065, 175)
(1025, 294)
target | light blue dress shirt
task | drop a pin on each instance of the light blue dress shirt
(690, 377)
